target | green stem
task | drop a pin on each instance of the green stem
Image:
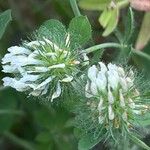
(102, 46)
(20, 142)
(75, 8)
(115, 45)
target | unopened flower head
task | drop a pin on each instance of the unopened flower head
(111, 93)
(40, 67)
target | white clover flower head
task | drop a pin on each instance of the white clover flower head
(112, 89)
(40, 67)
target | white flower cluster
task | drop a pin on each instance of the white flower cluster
(114, 92)
(36, 64)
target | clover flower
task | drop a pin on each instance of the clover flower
(112, 106)
(113, 99)
(40, 67)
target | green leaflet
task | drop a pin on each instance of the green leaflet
(54, 31)
(79, 31)
(5, 18)
(109, 20)
(144, 34)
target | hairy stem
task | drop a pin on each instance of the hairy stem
(75, 8)
(116, 45)
(102, 46)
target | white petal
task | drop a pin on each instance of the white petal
(124, 116)
(36, 92)
(123, 84)
(19, 60)
(101, 119)
(131, 74)
(20, 86)
(57, 66)
(34, 54)
(38, 69)
(7, 81)
(101, 81)
(67, 79)
(29, 77)
(48, 80)
(93, 88)
(23, 61)
(35, 43)
(7, 58)
(100, 105)
(43, 90)
(12, 82)
(121, 72)
(138, 112)
(53, 45)
(129, 82)
(22, 71)
(57, 92)
(136, 92)
(140, 106)
(18, 50)
(113, 79)
(112, 67)
(85, 59)
(92, 73)
(9, 68)
(113, 76)
(110, 96)
(122, 102)
(87, 90)
(51, 55)
(41, 69)
(111, 114)
(103, 67)
(75, 62)
(34, 62)
(131, 103)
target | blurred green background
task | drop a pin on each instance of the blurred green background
(26, 123)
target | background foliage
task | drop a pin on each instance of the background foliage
(27, 124)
